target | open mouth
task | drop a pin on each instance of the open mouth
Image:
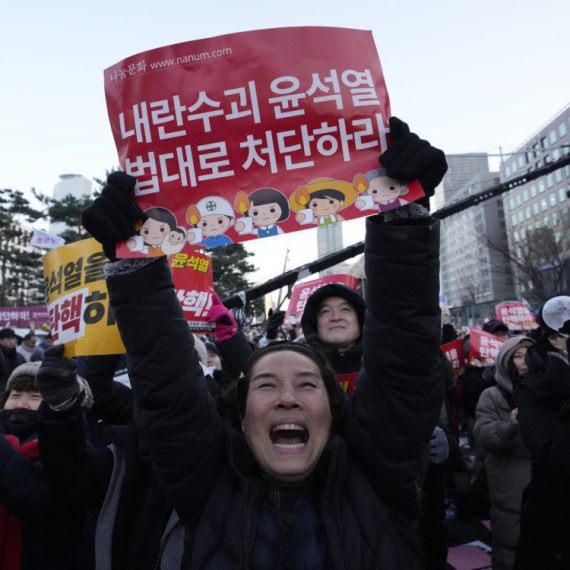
(289, 436)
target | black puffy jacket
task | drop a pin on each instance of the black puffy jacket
(367, 477)
(544, 419)
(51, 525)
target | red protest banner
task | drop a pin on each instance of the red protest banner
(455, 355)
(303, 291)
(252, 135)
(192, 275)
(348, 382)
(516, 316)
(22, 317)
(483, 348)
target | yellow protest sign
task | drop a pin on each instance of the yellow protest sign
(78, 301)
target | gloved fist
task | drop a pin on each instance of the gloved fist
(274, 321)
(111, 217)
(57, 378)
(411, 158)
(225, 324)
(438, 446)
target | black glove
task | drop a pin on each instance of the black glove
(411, 158)
(57, 377)
(111, 216)
(274, 321)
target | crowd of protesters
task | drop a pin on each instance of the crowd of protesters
(234, 452)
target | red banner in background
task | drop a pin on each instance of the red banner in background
(192, 275)
(252, 135)
(303, 291)
(348, 382)
(21, 317)
(483, 348)
(455, 354)
(516, 316)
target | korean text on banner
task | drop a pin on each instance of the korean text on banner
(303, 291)
(45, 240)
(516, 316)
(455, 354)
(78, 303)
(483, 348)
(23, 316)
(192, 275)
(252, 135)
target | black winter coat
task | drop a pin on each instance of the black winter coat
(544, 419)
(51, 525)
(119, 480)
(367, 477)
(10, 359)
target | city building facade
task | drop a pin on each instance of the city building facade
(474, 275)
(537, 213)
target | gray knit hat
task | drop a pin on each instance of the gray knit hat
(31, 369)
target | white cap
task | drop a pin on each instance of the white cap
(556, 312)
(215, 205)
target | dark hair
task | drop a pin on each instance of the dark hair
(512, 371)
(163, 215)
(335, 393)
(268, 196)
(333, 194)
(23, 383)
(542, 334)
(179, 230)
(7, 333)
(29, 335)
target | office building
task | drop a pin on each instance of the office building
(537, 213)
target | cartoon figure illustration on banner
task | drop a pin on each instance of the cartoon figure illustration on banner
(263, 208)
(210, 218)
(379, 191)
(159, 235)
(319, 201)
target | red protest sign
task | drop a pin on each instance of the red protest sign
(483, 348)
(516, 316)
(252, 135)
(303, 291)
(348, 382)
(192, 276)
(455, 354)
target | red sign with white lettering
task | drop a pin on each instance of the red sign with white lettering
(483, 348)
(252, 135)
(192, 276)
(455, 354)
(516, 316)
(303, 291)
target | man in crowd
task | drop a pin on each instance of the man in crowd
(27, 346)
(10, 359)
(38, 352)
(332, 323)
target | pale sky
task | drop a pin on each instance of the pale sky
(469, 77)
